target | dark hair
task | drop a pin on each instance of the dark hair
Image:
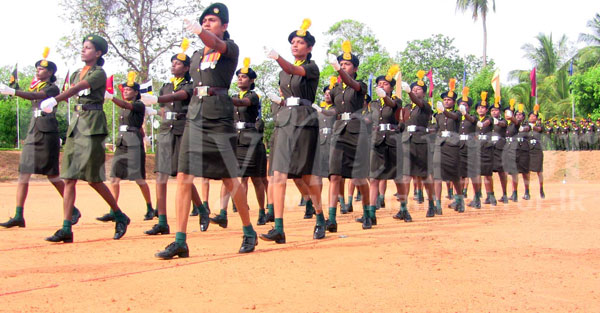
(53, 78)
(100, 61)
(308, 56)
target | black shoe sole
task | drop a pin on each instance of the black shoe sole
(280, 241)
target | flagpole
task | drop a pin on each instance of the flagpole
(69, 111)
(113, 126)
(18, 135)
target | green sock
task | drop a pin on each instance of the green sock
(19, 212)
(271, 208)
(332, 212)
(450, 192)
(149, 207)
(366, 211)
(202, 209)
(223, 213)
(350, 200)
(438, 203)
(431, 205)
(309, 205)
(320, 219)
(457, 199)
(119, 216)
(249, 231)
(371, 211)
(205, 204)
(162, 220)
(67, 226)
(403, 206)
(478, 194)
(420, 193)
(380, 198)
(342, 203)
(279, 224)
(261, 212)
(180, 237)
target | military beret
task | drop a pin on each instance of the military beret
(217, 9)
(98, 42)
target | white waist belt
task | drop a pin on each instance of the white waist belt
(445, 134)
(326, 131)
(411, 128)
(37, 113)
(384, 127)
(464, 137)
(495, 138)
(483, 137)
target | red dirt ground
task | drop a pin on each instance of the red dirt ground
(529, 256)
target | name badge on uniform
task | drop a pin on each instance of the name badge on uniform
(292, 101)
(37, 113)
(240, 125)
(123, 128)
(445, 133)
(411, 128)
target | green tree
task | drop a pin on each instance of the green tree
(438, 53)
(374, 59)
(586, 91)
(590, 55)
(138, 32)
(479, 8)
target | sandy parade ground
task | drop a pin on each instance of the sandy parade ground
(529, 256)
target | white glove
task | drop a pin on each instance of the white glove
(480, 124)
(108, 96)
(7, 91)
(274, 98)
(521, 128)
(317, 107)
(509, 114)
(334, 62)
(271, 54)
(48, 104)
(149, 99)
(496, 121)
(405, 87)
(462, 109)
(439, 106)
(192, 27)
(150, 111)
(380, 92)
(531, 125)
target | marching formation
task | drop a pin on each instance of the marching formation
(349, 137)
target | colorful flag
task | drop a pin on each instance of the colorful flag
(66, 84)
(464, 78)
(571, 68)
(14, 79)
(430, 78)
(533, 83)
(146, 87)
(109, 85)
(496, 85)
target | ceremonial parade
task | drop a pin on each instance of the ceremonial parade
(389, 158)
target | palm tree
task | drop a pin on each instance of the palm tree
(547, 56)
(590, 55)
(551, 60)
(479, 7)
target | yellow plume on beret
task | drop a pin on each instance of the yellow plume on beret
(304, 27)
(392, 71)
(130, 78)
(246, 66)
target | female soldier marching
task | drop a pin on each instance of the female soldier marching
(129, 161)
(386, 155)
(208, 142)
(174, 99)
(295, 147)
(83, 156)
(447, 152)
(350, 143)
(42, 146)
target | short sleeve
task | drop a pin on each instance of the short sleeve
(96, 78)
(312, 70)
(138, 106)
(233, 51)
(52, 91)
